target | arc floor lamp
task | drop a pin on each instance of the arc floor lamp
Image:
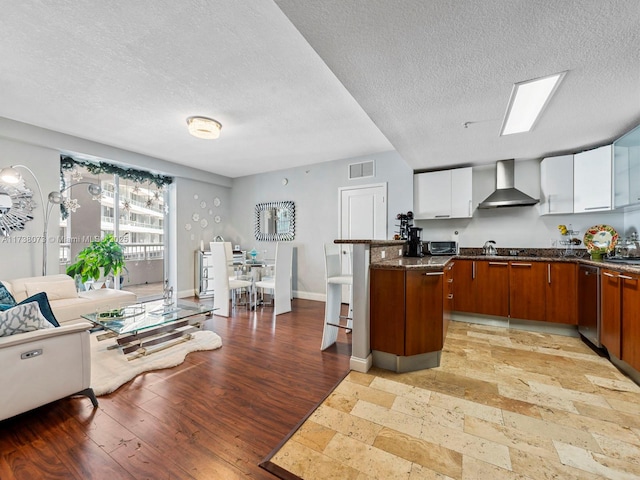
(11, 175)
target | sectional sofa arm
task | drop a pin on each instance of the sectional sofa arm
(28, 337)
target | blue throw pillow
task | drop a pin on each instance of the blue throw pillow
(45, 307)
(5, 297)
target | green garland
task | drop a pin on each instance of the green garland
(138, 176)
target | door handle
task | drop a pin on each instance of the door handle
(434, 273)
(520, 264)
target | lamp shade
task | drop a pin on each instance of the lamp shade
(203, 127)
(10, 175)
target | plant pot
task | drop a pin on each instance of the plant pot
(596, 256)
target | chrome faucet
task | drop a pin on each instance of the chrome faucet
(218, 238)
(489, 248)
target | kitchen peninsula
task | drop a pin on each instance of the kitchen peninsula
(402, 305)
(364, 253)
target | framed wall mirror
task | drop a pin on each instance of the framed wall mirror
(16, 205)
(275, 221)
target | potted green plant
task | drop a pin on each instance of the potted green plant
(100, 258)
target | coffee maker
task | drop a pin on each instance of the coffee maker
(414, 244)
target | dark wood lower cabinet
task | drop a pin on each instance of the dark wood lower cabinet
(630, 312)
(492, 289)
(610, 325)
(424, 308)
(527, 288)
(464, 286)
(561, 295)
(406, 311)
(387, 310)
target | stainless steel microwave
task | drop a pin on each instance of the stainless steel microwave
(442, 248)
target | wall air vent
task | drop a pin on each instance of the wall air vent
(362, 170)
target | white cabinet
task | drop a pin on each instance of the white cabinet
(556, 185)
(443, 194)
(626, 169)
(592, 182)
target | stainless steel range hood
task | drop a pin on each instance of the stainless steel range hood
(506, 195)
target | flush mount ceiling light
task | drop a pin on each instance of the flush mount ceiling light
(204, 127)
(527, 102)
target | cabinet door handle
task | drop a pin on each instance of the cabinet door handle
(597, 208)
(450, 296)
(471, 208)
(520, 264)
(434, 273)
(549, 205)
(499, 263)
(473, 270)
(627, 278)
(609, 274)
(443, 216)
(450, 280)
(549, 273)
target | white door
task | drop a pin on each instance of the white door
(363, 215)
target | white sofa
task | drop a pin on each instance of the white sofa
(68, 304)
(42, 366)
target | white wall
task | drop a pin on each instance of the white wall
(40, 149)
(314, 190)
(21, 253)
(190, 233)
(513, 226)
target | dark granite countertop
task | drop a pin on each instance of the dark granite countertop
(374, 243)
(439, 262)
(409, 263)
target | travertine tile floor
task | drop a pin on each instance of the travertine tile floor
(504, 404)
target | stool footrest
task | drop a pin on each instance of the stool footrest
(338, 325)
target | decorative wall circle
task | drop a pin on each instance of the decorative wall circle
(195, 217)
(216, 202)
(217, 219)
(195, 196)
(204, 223)
(203, 204)
(187, 226)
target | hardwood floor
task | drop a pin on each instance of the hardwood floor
(216, 416)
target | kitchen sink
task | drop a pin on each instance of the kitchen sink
(626, 261)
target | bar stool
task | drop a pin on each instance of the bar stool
(335, 281)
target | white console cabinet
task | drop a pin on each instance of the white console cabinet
(443, 194)
(204, 274)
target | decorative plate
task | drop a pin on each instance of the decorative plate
(601, 236)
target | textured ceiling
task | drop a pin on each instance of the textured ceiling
(421, 69)
(317, 80)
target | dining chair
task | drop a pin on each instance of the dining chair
(280, 283)
(335, 280)
(223, 284)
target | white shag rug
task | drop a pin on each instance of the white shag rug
(110, 368)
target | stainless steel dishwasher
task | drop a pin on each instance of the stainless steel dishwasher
(589, 303)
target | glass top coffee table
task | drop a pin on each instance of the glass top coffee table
(142, 329)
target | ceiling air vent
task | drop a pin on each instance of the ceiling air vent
(361, 170)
